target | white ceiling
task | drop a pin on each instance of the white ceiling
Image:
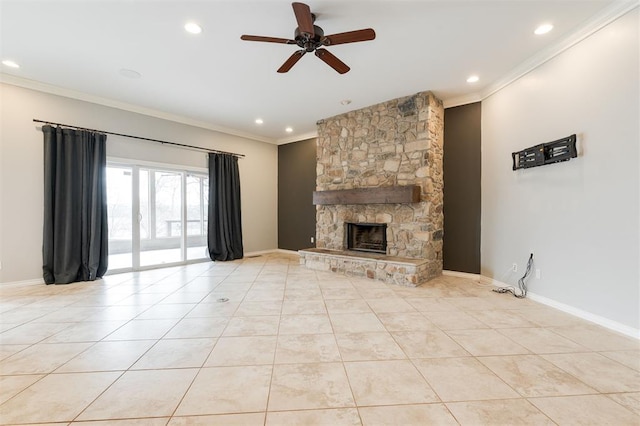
(215, 80)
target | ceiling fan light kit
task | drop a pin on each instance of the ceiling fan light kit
(311, 38)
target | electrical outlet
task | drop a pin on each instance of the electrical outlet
(514, 267)
(313, 239)
(538, 273)
(0, 265)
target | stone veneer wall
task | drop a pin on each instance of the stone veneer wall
(399, 142)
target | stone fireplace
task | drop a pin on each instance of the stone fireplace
(381, 165)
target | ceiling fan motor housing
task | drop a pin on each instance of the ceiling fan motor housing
(309, 43)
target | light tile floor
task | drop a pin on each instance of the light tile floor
(298, 347)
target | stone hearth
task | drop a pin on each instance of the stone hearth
(395, 143)
(390, 269)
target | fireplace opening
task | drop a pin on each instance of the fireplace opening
(369, 237)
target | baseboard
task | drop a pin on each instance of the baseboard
(475, 277)
(285, 251)
(588, 316)
(491, 281)
(258, 253)
(35, 281)
(261, 252)
(597, 319)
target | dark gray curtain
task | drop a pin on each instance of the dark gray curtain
(75, 240)
(225, 221)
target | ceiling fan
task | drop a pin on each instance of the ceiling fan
(311, 38)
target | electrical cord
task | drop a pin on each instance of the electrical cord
(521, 283)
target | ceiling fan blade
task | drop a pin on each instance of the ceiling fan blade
(304, 18)
(332, 61)
(291, 61)
(349, 37)
(267, 39)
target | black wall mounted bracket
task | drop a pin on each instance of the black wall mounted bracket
(546, 153)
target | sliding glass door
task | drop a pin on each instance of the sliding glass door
(119, 215)
(197, 206)
(162, 241)
(156, 216)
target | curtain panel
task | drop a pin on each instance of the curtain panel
(224, 238)
(75, 238)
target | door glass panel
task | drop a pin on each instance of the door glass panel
(196, 217)
(144, 217)
(165, 219)
(119, 205)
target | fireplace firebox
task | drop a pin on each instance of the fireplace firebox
(369, 237)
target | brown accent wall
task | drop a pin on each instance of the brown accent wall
(461, 250)
(296, 183)
(462, 161)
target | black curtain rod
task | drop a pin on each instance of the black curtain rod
(198, 148)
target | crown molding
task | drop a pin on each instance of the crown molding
(73, 94)
(462, 100)
(609, 14)
(597, 22)
(297, 138)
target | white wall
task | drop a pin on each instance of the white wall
(21, 168)
(579, 218)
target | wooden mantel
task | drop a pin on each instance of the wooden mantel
(379, 195)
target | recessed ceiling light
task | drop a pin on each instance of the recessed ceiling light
(345, 101)
(129, 73)
(193, 28)
(259, 121)
(288, 130)
(543, 29)
(473, 79)
(10, 63)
